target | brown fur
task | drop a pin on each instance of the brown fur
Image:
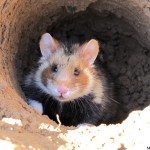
(45, 75)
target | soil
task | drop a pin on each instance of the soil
(20, 134)
(122, 27)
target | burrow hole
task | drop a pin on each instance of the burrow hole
(125, 58)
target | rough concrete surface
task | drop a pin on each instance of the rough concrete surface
(22, 23)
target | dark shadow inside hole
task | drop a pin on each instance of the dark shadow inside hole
(121, 53)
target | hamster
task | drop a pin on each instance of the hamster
(68, 82)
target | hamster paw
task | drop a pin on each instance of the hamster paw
(36, 105)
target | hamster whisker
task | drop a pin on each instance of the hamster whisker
(112, 99)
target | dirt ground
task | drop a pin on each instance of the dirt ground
(122, 27)
(130, 134)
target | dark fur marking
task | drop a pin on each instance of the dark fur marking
(78, 111)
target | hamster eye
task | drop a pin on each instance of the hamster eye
(54, 68)
(76, 72)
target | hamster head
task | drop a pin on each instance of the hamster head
(63, 75)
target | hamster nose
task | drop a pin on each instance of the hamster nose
(62, 89)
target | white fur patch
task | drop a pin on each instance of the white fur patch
(36, 105)
(67, 94)
(38, 76)
(28, 79)
(84, 125)
(53, 90)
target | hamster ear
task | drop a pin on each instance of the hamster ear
(89, 51)
(48, 45)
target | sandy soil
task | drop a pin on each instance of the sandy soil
(130, 134)
(21, 25)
